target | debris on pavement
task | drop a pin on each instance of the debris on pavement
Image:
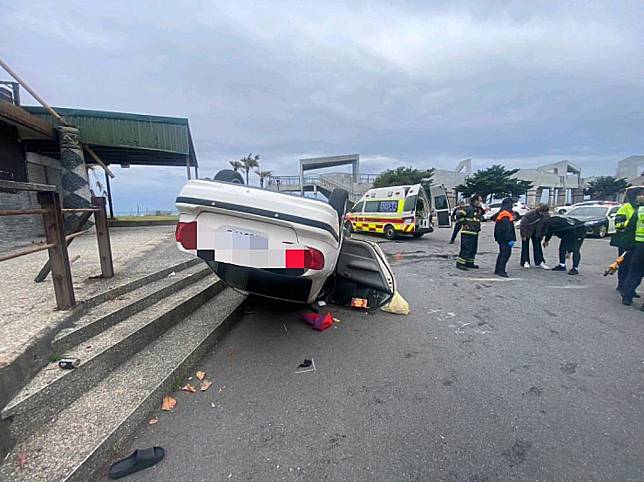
(398, 305)
(221, 389)
(205, 385)
(68, 363)
(168, 403)
(306, 363)
(172, 274)
(188, 388)
(200, 375)
(359, 303)
(336, 320)
(318, 321)
(22, 458)
(153, 421)
(321, 303)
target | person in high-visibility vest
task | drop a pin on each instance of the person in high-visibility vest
(504, 234)
(470, 219)
(624, 238)
(636, 269)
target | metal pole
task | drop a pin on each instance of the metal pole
(188, 167)
(109, 195)
(196, 172)
(32, 92)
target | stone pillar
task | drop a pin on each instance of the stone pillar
(531, 199)
(577, 195)
(561, 196)
(75, 185)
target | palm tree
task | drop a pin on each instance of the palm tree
(263, 175)
(249, 162)
(236, 165)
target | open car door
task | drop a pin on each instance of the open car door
(363, 278)
(441, 206)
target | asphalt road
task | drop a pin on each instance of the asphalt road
(539, 377)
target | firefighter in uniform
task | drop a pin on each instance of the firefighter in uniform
(636, 268)
(624, 239)
(470, 219)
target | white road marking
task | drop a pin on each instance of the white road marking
(487, 279)
(568, 287)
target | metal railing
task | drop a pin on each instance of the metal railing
(56, 241)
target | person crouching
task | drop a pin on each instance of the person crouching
(505, 235)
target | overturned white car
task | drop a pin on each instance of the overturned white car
(280, 245)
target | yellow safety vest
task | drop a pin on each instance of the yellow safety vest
(639, 229)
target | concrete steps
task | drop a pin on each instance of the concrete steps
(111, 312)
(53, 388)
(81, 437)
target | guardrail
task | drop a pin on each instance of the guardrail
(56, 241)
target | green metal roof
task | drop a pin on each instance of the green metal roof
(120, 137)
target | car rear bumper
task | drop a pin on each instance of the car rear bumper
(264, 283)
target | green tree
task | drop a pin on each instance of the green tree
(236, 165)
(262, 176)
(403, 175)
(248, 163)
(495, 181)
(606, 187)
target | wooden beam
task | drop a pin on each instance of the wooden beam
(98, 160)
(103, 238)
(18, 116)
(13, 186)
(60, 269)
(22, 252)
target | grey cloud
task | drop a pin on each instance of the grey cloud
(421, 83)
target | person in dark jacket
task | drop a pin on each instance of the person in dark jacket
(531, 229)
(572, 233)
(457, 223)
(505, 235)
(470, 219)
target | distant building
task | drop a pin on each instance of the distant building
(631, 168)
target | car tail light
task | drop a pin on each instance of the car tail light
(186, 234)
(309, 258)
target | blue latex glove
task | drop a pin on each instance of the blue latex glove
(512, 243)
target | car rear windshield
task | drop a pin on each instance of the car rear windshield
(588, 211)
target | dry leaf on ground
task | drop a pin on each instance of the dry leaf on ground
(153, 420)
(188, 388)
(168, 403)
(205, 385)
(201, 375)
(221, 389)
(22, 459)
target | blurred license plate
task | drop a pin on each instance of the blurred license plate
(240, 240)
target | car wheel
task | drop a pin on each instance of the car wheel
(348, 227)
(228, 175)
(339, 200)
(602, 231)
(390, 232)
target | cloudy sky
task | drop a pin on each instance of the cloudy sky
(402, 83)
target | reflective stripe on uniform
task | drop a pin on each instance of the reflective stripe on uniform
(639, 229)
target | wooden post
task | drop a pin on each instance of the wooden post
(103, 238)
(60, 270)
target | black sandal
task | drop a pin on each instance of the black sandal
(139, 460)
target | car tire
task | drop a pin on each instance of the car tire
(390, 232)
(228, 175)
(418, 235)
(339, 200)
(602, 232)
(348, 228)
